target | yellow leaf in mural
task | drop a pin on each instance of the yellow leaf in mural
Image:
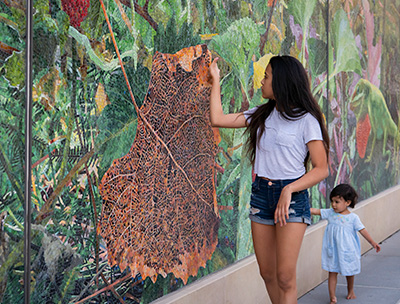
(275, 29)
(207, 36)
(47, 88)
(34, 192)
(35, 94)
(63, 124)
(148, 62)
(123, 15)
(259, 69)
(101, 98)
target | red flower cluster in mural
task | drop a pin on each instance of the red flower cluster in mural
(77, 10)
(362, 133)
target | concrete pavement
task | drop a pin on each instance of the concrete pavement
(378, 282)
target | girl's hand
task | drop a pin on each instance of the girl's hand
(376, 247)
(214, 71)
(282, 208)
(368, 237)
(315, 211)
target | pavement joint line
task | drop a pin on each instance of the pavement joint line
(376, 287)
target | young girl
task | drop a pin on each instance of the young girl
(341, 251)
(284, 134)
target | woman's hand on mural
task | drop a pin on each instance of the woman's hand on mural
(282, 208)
(214, 71)
(217, 116)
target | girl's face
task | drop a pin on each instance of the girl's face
(339, 205)
(266, 84)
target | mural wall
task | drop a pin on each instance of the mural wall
(134, 194)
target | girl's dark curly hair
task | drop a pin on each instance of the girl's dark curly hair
(346, 192)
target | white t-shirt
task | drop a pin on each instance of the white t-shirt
(283, 147)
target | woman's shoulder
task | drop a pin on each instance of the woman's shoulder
(305, 119)
(251, 111)
(312, 128)
(307, 116)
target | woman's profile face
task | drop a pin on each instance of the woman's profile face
(266, 84)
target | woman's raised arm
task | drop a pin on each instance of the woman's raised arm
(217, 116)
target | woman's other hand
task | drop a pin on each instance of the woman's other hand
(282, 208)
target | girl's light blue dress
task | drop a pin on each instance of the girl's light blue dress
(341, 250)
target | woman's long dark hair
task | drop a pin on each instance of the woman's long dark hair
(293, 99)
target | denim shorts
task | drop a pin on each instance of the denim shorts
(265, 196)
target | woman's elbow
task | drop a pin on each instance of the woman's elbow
(217, 120)
(214, 123)
(325, 172)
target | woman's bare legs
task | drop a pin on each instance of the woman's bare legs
(277, 250)
(264, 242)
(288, 242)
(350, 288)
(332, 282)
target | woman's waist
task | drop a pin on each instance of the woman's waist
(280, 182)
(279, 172)
(278, 179)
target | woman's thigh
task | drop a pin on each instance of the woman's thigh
(264, 242)
(288, 242)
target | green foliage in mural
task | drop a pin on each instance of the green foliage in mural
(302, 11)
(170, 40)
(15, 69)
(84, 118)
(317, 57)
(237, 47)
(369, 100)
(346, 52)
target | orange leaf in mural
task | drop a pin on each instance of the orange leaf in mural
(362, 133)
(160, 213)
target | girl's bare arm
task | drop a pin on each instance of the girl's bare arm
(368, 237)
(315, 211)
(218, 118)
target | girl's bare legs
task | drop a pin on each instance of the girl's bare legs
(332, 282)
(288, 242)
(350, 288)
(264, 242)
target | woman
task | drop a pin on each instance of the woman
(284, 134)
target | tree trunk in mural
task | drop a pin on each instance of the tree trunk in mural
(160, 211)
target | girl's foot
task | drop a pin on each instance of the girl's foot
(333, 300)
(351, 295)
